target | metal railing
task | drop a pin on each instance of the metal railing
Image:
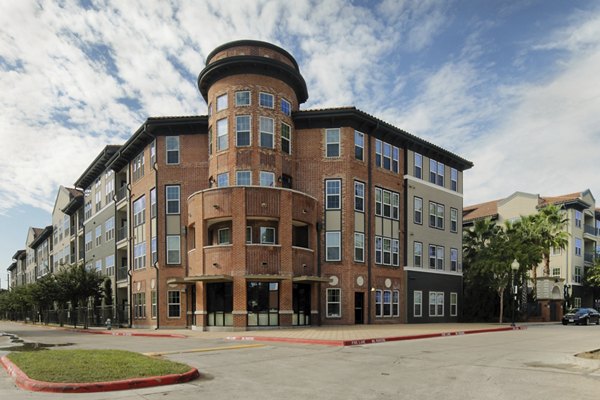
(121, 233)
(121, 193)
(122, 273)
(590, 230)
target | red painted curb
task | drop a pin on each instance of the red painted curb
(116, 333)
(358, 342)
(25, 382)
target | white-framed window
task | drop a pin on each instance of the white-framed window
(333, 190)
(172, 145)
(242, 98)
(418, 209)
(266, 179)
(139, 305)
(267, 235)
(153, 152)
(379, 303)
(98, 235)
(395, 206)
(266, 129)
(173, 249)
(577, 275)
(286, 138)
(556, 271)
(153, 304)
(109, 265)
(387, 156)
(440, 257)
(453, 220)
(286, 107)
(387, 251)
(453, 304)
(172, 195)
(436, 304)
(396, 303)
(578, 218)
(577, 302)
(418, 254)
(109, 229)
(453, 179)
(453, 259)
(222, 134)
(139, 211)
(266, 100)
(436, 215)
(359, 145)
(417, 303)
(418, 166)
(334, 303)
(578, 247)
(139, 255)
(223, 179)
(222, 102)
(224, 236)
(359, 247)
(154, 250)
(209, 111)
(387, 204)
(243, 178)
(436, 257)
(242, 131)
(138, 166)
(249, 235)
(98, 198)
(387, 303)
(333, 246)
(109, 188)
(173, 303)
(332, 142)
(153, 209)
(98, 265)
(359, 196)
(210, 140)
(87, 210)
(436, 172)
(88, 242)
(555, 251)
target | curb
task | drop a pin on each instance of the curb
(25, 382)
(358, 342)
(116, 333)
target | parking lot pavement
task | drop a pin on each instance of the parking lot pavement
(537, 363)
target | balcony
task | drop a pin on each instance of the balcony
(263, 259)
(303, 260)
(590, 230)
(121, 193)
(122, 273)
(121, 233)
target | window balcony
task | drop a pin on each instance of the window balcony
(122, 273)
(590, 230)
(121, 233)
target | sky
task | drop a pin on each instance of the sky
(513, 86)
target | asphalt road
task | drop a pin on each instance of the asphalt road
(537, 363)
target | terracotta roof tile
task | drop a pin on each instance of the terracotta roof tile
(559, 199)
(482, 210)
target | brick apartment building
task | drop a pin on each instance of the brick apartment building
(262, 214)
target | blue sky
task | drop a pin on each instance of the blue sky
(511, 85)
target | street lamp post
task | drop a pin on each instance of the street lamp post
(514, 268)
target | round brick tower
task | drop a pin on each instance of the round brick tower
(253, 260)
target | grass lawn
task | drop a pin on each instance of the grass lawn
(80, 366)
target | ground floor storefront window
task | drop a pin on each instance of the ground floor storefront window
(263, 303)
(301, 304)
(219, 304)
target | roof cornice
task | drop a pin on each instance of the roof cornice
(97, 167)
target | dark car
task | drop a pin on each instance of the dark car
(581, 316)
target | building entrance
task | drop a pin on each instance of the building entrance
(301, 304)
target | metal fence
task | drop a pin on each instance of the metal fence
(80, 316)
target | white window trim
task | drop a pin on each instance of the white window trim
(249, 98)
(219, 97)
(339, 246)
(265, 229)
(167, 150)
(272, 100)
(237, 131)
(338, 143)
(454, 296)
(359, 234)
(327, 302)
(219, 236)
(167, 201)
(178, 249)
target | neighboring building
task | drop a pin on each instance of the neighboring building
(567, 267)
(30, 273)
(17, 272)
(42, 250)
(63, 242)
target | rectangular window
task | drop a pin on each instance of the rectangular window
(432, 256)
(139, 211)
(223, 236)
(88, 242)
(109, 229)
(453, 304)
(266, 178)
(242, 98)
(98, 199)
(555, 251)
(109, 188)
(378, 303)
(154, 250)
(223, 179)
(436, 215)
(286, 107)
(266, 132)
(436, 304)
(417, 303)
(577, 302)
(173, 249)
(577, 275)
(387, 251)
(139, 255)
(387, 204)
(578, 247)
(286, 138)
(153, 152)
(359, 196)
(453, 179)
(172, 194)
(387, 156)
(139, 305)
(440, 174)
(222, 102)
(332, 142)
(210, 141)
(432, 171)
(266, 100)
(173, 304)
(440, 257)
(556, 271)
(378, 201)
(242, 131)
(396, 303)
(378, 250)
(333, 246)
(138, 166)
(418, 254)
(98, 235)
(334, 300)
(153, 303)
(453, 220)
(395, 206)
(387, 303)
(109, 265)
(243, 178)
(153, 209)
(267, 235)
(418, 166)
(395, 159)
(453, 259)
(172, 145)
(578, 217)
(333, 189)
(359, 247)
(359, 145)
(249, 235)
(418, 206)
(222, 134)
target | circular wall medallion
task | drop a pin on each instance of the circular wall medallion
(360, 281)
(333, 280)
(388, 283)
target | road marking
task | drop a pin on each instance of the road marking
(203, 350)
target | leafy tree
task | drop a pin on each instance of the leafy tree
(77, 284)
(592, 274)
(551, 231)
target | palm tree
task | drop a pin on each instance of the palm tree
(551, 223)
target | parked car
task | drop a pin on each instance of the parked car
(581, 316)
